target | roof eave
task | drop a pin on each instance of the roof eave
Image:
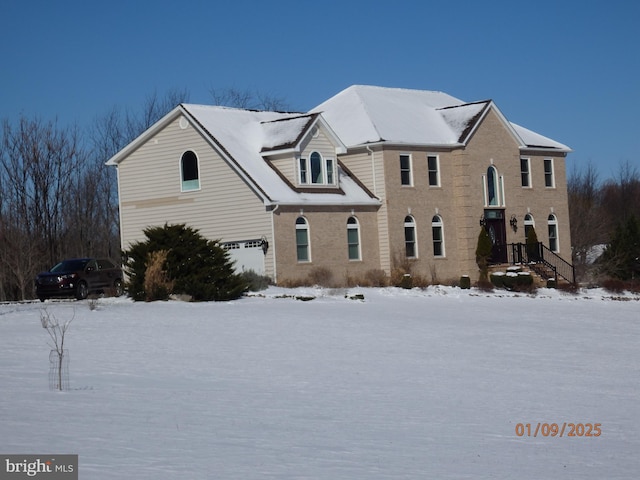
(542, 148)
(388, 143)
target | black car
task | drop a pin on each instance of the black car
(78, 277)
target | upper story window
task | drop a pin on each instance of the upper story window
(438, 236)
(434, 171)
(410, 244)
(406, 176)
(549, 178)
(525, 172)
(317, 170)
(302, 240)
(552, 223)
(493, 188)
(353, 238)
(189, 171)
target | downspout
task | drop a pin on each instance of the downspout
(273, 242)
(373, 169)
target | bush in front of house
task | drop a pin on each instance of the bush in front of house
(193, 266)
(255, 281)
(483, 253)
(513, 280)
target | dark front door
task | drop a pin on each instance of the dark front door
(494, 223)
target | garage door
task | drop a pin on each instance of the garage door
(247, 255)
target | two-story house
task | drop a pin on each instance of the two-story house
(368, 179)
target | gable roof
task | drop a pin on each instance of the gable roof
(363, 114)
(240, 136)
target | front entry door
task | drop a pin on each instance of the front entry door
(494, 223)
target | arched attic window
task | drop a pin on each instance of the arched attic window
(189, 171)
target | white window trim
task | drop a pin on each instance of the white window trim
(410, 184)
(356, 227)
(439, 224)
(323, 170)
(182, 181)
(415, 236)
(553, 173)
(437, 157)
(529, 177)
(554, 223)
(307, 228)
(501, 203)
(529, 223)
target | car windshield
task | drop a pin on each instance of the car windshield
(70, 266)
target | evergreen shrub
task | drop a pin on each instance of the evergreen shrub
(193, 266)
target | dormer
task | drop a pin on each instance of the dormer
(304, 150)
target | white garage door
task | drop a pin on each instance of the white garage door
(247, 255)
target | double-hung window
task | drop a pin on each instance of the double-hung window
(353, 238)
(438, 236)
(406, 177)
(549, 180)
(302, 240)
(410, 245)
(434, 171)
(552, 223)
(525, 172)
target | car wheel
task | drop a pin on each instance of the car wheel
(42, 298)
(82, 291)
(118, 288)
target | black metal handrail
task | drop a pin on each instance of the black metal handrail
(541, 254)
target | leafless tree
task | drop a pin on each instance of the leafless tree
(247, 99)
(58, 356)
(37, 164)
(585, 212)
(621, 195)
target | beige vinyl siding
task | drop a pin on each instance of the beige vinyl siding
(150, 191)
(321, 143)
(287, 166)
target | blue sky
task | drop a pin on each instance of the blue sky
(566, 69)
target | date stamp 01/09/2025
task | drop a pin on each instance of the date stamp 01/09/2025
(564, 429)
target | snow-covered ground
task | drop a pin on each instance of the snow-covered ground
(401, 385)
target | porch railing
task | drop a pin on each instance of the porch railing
(539, 254)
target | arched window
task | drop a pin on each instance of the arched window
(316, 170)
(492, 186)
(189, 173)
(302, 239)
(353, 238)
(410, 244)
(552, 223)
(529, 223)
(438, 236)
(316, 167)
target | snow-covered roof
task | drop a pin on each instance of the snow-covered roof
(363, 114)
(285, 133)
(356, 116)
(243, 134)
(535, 140)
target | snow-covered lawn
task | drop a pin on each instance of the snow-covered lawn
(402, 385)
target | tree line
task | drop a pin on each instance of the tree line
(605, 229)
(58, 199)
